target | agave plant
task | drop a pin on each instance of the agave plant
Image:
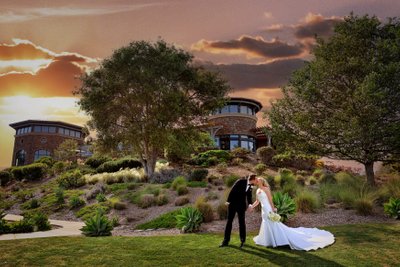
(284, 204)
(392, 208)
(98, 225)
(189, 220)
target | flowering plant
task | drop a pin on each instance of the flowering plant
(275, 217)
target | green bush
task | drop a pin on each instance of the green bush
(230, 179)
(265, 153)
(391, 188)
(90, 211)
(5, 177)
(59, 194)
(96, 161)
(260, 168)
(178, 181)
(31, 204)
(189, 220)
(76, 202)
(286, 177)
(271, 181)
(162, 199)
(59, 166)
(197, 184)
(49, 161)
(116, 165)
(147, 200)
(298, 161)
(4, 226)
(222, 167)
(116, 204)
(32, 172)
(318, 173)
(205, 209)
(237, 161)
(290, 188)
(306, 201)
(71, 179)
(285, 205)
(392, 208)
(100, 197)
(180, 201)
(198, 175)
(22, 226)
(182, 190)
(99, 225)
(327, 178)
(39, 220)
(166, 220)
(211, 157)
(312, 180)
(240, 152)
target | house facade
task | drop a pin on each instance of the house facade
(38, 138)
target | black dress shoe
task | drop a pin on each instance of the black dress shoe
(223, 245)
(241, 244)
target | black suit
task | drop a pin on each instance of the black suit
(237, 204)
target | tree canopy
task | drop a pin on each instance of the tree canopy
(345, 103)
(146, 92)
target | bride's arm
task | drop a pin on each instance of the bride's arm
(255, 204)
(268, 192)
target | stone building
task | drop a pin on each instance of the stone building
(36, 138)
(235, 125)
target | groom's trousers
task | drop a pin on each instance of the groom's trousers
(242, 224)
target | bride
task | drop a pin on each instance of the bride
(273, 234)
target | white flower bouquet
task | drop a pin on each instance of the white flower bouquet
(275, 217)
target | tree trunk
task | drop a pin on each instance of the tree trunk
(369, 172)
(149, 164)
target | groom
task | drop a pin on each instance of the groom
(236, 202)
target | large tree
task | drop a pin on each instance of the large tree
(345, 103)
(146, 92)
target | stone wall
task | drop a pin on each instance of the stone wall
(234, 124)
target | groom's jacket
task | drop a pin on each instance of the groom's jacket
(238, 195)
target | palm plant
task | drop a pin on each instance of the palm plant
(285, 205)
(189, 219)
(99, 225)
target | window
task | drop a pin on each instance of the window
(229, 142)
(77, 134)
(41, 153)
(45, 129)
(234, 144)
(61, 130)
(225, 109)
(52, 129)
(66, 131)
(20, 158)
(233, 108)
(72, 133)
(37, 129)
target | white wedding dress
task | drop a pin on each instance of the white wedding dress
(273, 234)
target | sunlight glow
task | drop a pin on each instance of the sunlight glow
(32, 65)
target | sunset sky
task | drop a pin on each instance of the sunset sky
(45, 45)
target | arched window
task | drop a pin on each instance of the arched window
(41, 153)
(20, 158)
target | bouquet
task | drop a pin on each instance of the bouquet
(275, 217)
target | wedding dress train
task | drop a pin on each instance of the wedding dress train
(273, 234)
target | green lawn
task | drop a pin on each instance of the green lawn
(356, 245)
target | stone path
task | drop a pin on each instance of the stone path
(64, 228)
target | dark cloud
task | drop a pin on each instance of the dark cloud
(268, 75)
(257, 47)
(316, 25)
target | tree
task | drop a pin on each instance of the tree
(146, 92)
(345, 103)
(66, 151)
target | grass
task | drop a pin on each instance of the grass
(356, 245)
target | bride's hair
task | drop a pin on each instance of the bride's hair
(263, 182)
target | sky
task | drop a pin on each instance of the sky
(46, 45)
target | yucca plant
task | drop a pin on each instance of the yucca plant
(189, 220)
(392, 208)
(285, 205)
(98, 225)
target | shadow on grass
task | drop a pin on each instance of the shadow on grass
(284, 256)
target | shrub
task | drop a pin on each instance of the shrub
(5, 177)
(32, 204)
(237, 161)
(230, 180)
(164, 175)
(222, 210)
(178, 181)
(101, 197)
(328, 178)
(189, 220)
(76, 202)
(343, 177)
(35, 171)
(390, 189)
(49, 161)
(285, 205)
(222, 167)
(22, 226)
(286, 177)
(312, 180)
(116, 165)
(197, 184)
(290, 188)
(166, 220)
(198, 175)
(96, 161)
(182, 190)
(265, 153)
(4, 226)
(180, 201)
(298, 161)
(205, 209)
(347, 197)
(392, 208)
(147, 200)
(40, 221)
(260, 168)
(364, 206)
(212, 196)
(318, 173)
(99, 225)
(90, 211)
(301, 180)
(116, 204)
(240, 152)
(329, 193)
(71, 179)
(211, 157)
(306, 201)
(115, 221)
(59, 166)
(162, 199)
(59, 193)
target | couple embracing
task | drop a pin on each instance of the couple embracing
(272, 233)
